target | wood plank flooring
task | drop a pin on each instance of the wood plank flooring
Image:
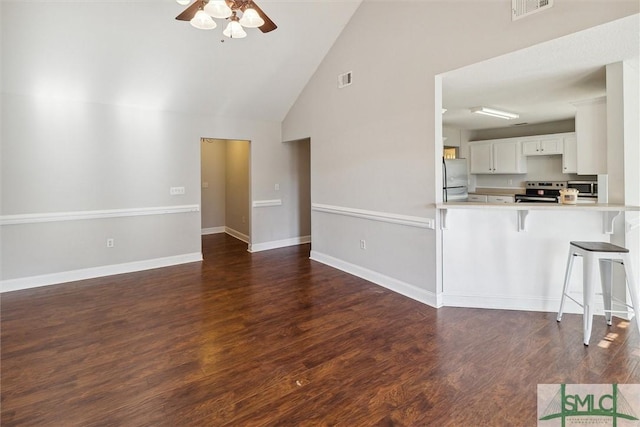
(273, 338)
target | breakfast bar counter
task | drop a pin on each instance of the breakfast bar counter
(513, 255)
(609, 211)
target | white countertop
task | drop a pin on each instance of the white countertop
(537, 206)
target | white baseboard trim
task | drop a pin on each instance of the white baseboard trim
(213, 230)
(395, 285)
(519, 303)
(94, 272)
(259, 247)
(238, 235)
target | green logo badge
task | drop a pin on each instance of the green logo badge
(588, 404)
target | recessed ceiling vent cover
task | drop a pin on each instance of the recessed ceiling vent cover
(345, 79)
(522, 8)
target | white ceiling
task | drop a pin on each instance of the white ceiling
(135, 53)
(540, 82)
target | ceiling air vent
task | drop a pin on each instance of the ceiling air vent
(345, 79)
(522, 8)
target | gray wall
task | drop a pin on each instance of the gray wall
(299, 186)
(237, 186)
(76, 141)
(214, 169)
(373, 143)
(69, 157)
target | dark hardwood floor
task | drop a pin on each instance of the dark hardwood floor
(273, 338)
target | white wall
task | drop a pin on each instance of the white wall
(623, 156)
(373, 143)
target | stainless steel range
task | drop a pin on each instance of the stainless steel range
(541, 192)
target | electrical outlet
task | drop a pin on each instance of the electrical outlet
(363, 244)
(277, 187)
(111, 242)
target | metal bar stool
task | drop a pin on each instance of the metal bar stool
(604, 255)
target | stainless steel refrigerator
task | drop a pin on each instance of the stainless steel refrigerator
(455, 180)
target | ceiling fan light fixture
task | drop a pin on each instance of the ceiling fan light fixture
(494, 113)
(218, 9)
(203, 21)
(183, 2)
(235, 31)
(251, 19)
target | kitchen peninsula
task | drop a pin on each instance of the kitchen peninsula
(513, 255)
(609, 211)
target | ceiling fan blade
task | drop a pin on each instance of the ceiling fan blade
(268, 25)
(190, 12)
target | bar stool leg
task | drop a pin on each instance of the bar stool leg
(633, 290)
(605, 280)
(565, 288)
(588, 268)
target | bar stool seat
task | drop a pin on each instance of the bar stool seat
(603, 255)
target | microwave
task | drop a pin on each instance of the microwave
(585, 188)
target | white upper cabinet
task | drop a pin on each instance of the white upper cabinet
(542, 146)
(591, 134)
(570, 154)
(481, 157)
(497, 156)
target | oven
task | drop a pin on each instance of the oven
(541, 192)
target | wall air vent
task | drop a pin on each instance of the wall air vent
(522, 8)
(345, 79)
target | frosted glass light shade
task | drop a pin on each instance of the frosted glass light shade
(183, 2)
(251, 19)
(203, 21)
(218, 9)
(235, 31)
(495, 113)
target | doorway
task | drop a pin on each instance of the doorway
(225, 187)
(300, 188)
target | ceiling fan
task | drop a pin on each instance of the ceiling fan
(240, 13)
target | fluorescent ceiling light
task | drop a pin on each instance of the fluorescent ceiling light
(494, 113)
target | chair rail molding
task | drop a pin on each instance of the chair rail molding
(411, 221)
(34, 218)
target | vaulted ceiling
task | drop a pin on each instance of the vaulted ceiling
(135, 53)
